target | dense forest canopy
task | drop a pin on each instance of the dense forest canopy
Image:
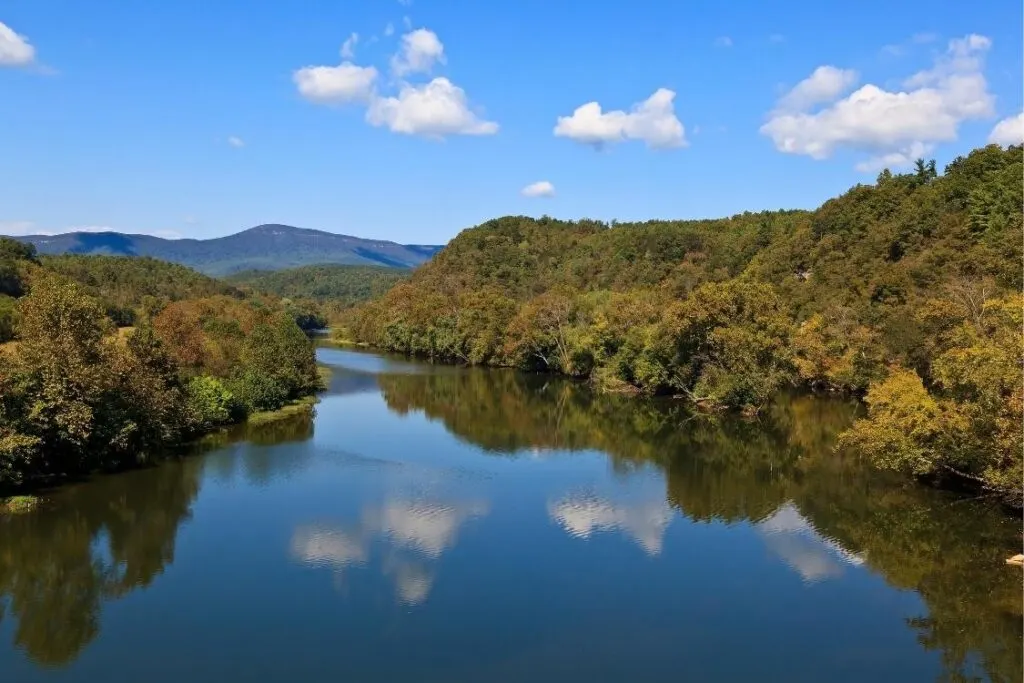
(77, 394)
(325, 288)
(906, 292)
(125, 284)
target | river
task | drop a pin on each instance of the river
(441, 524)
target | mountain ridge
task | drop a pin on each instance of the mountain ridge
(269, 246)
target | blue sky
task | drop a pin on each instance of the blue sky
(123, 115)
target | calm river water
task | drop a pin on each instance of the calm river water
(440, 524)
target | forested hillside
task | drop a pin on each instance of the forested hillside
(77, 394)
(126, 284)
(339, 285)
(905, 292)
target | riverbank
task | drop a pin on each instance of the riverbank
(26, 496)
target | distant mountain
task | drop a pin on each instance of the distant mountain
(265, 247)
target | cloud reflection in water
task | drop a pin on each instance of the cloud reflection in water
(414, 529)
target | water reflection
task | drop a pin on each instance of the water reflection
(415, 533)
(93, 544)
(775, 485)
(794, 539)
(582, 515)
(820, 511)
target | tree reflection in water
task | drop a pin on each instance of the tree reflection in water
(95, 542)
(818, 509)
(99, 540)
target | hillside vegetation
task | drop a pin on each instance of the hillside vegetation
(77, 395)
(125, 284)
(905, 292)
(338, 285)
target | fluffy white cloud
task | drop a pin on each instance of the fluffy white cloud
(895, 126)
(541, 188)
(420, 50)
(236, 142)
(824, 85)
(654, 121)
(346, 82)
(436, 109)
(348, 48)
(1009, 131)
(15, 50)
(903, 157)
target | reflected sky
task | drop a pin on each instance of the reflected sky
(403, 538)
(434, 524)
(794, 539)
(582, 515)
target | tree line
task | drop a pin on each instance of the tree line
(80, 391)
(905, 292)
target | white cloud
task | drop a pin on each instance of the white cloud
(904, 157)
(389, 30)
(348, 48)
(887, 125)
(419, 51)
(436, 109)
(723, 41)
(824, 85)
(15, 50)
(346, 82)
(236, 142)
(541, 188)
(1009, 131)
(653, 121)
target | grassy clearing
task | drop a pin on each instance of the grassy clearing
(298, 406)
(18, 504)
(325, 373)
(341, 342)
